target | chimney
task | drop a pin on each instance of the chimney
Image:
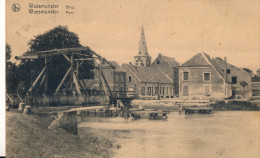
(130, 63)
(159, 54)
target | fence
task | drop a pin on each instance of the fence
(69, 100)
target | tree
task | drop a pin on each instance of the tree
(8, 52)
(11, 71)
(56, 38)
(247, 70)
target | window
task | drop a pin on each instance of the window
(185, 76)
(121, 78)
(163, 90)
(142, 90)
(149, 90)
(116, 78)
(206, 77)
(156, 90)
(142, 64)
(228, 71)
(234, 79)
(129, 78)
(158, 61)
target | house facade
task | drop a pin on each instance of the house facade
(170, 67)
(114, 79)
(256, 84)
(240, 79)
(147, 83)
(202, 78)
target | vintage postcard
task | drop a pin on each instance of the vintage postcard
(143, 79)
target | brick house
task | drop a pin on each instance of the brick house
(147, 82)
(240, 79)
(256, 84)
(114, 79)
(169, 66)
(201, 77)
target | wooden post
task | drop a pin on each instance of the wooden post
(77, 69)
(37, 79)
(46, 75)
(62, 81)
(100, 67)
(72, 70)
(76, 83)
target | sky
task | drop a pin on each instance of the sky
(176, 28)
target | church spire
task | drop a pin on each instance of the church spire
(142, 44)
(143, 58)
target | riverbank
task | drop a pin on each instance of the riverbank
(170, 105)
(235, 105)
(29, 136)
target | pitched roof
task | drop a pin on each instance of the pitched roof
(171, 61)
(114, 63)
(196, 61)
(203, 59)
(213, 62)
(148, 74)
(221, 62)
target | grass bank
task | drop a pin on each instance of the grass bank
(29, 136)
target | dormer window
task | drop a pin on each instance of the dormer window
(158, 61)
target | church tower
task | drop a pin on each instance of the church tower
(143, 58)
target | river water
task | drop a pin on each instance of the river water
(225, 134)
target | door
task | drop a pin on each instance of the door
(185, 90)
(206, 89)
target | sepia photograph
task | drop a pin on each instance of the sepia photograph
(124, 79)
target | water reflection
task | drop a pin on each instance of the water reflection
(222, 134)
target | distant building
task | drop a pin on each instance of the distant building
(113, 79)
(256, 85)
(258, 72)
(143, 58)
(170, 67)
(203, 78)
(147, 82)
(240, 79)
